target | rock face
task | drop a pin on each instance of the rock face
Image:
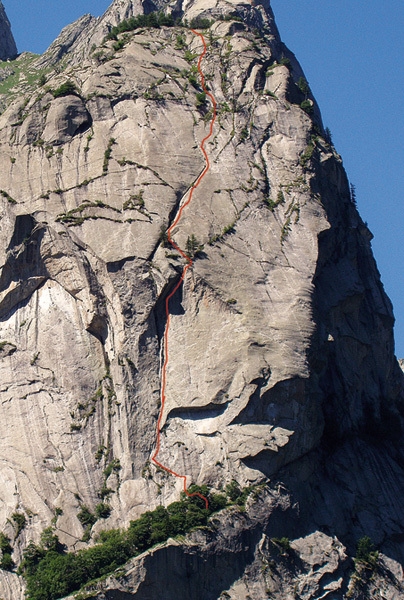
(8, 49)
(282, 366)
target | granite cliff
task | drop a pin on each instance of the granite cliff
(282, 375)
(8, 49)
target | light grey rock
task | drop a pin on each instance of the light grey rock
(66, 117)
(69, 38)
(281, 350)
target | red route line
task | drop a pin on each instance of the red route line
(189, 263)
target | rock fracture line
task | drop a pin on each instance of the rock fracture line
(187, 266)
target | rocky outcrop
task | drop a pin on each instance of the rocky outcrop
(68, 40)
(240, 556)
(281, 362)
(8, 49)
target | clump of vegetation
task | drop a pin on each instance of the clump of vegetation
(76, 216)
(6, 561)
(163, 237)
(235, 493)
(86, 517)
(272, 204)
(307, 106)
(193, 246)
(66, 89)
(307, 155)
(285, 62)
(88, 140)
(352, 193)
(328, 136)
(244, 134)
(218, 237)
(107, 155)
(7, 196)
(200, 23)
(53, 573)
(200, 99)
(118, 45)
(113, 467)
(286, 228)
(366, 553)
(180, 43)
(366, 564)
(189, 56)
(230, 17)
(102, 510)
(153, 19)
(136, 201)
(303, 86)
(283, 544)
(20, 521)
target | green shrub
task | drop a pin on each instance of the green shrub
(107, 155)
(233, 490)
(5, 545)
(50, 541)
(66, 89)
(86, 517)
(153, 19)
(102, 510)
(7, 562)
(180, 43)
(303, 86)
(307, 155)
(366, 553)
(283, 543)
(272, 204)
(328, 136)
(20, 522)
(193, 246)
(7, 196)
(200, 99)
(200, 23)
(163, 237)
(118, 45)
(193, 80)
(285, 61)
(113, 467)
(244, 134)
(189, 57)
(307, 106)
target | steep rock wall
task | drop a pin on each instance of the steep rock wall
(8, 49)
(281, 336)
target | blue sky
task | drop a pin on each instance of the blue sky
(351, 52)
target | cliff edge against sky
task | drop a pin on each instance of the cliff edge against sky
(8, 49)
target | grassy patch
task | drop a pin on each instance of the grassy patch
(23, 73)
